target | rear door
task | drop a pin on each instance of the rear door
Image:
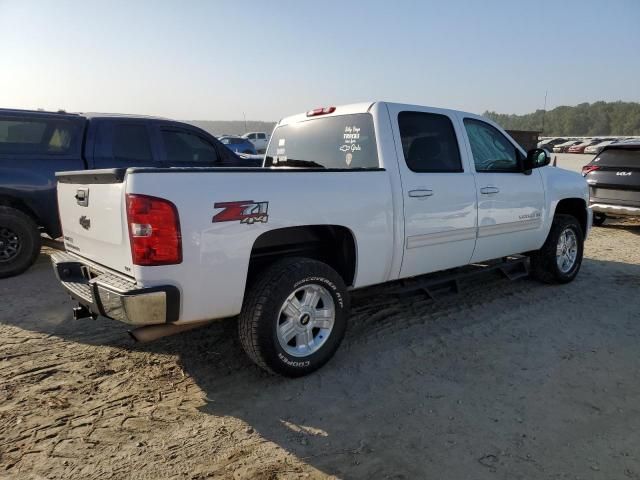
(616, 180)
(438, 187)
(510, 202)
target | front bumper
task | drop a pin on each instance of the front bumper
(615, 209)
(110, 295)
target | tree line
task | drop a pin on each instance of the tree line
(585, 119)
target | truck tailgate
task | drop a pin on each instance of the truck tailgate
(92, 212)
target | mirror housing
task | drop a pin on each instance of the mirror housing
(536, 158)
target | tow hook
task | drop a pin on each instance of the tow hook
(83, 312)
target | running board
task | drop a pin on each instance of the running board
(436, 284)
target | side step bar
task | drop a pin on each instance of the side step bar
(512, 268)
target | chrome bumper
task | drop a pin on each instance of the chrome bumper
(615, 209)
(110, 295)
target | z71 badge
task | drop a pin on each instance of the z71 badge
(245, 211)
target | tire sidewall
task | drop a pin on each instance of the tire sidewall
(275, 356)
(29, 238)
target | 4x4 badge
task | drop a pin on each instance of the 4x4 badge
(244, 211)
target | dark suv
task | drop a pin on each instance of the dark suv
(614, 181)
(34, 145)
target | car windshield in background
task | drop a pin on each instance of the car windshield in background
(619, 157)
(342, 142)
(35, 136)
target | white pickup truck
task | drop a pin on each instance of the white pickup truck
(348, 197)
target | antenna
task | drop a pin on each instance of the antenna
(245, 122)
(544, 110)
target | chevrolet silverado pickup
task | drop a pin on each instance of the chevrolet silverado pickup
(348, 197)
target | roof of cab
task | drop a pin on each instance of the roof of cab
(18, 111)
(362, 107)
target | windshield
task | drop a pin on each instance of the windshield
(342, 142)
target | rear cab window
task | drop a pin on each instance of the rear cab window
(123, 142)
(343, 142)
(38, 136)
(619, 158)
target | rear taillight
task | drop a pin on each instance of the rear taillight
(588, 169)
(320, 111)
(154, 231)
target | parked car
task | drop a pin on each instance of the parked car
(259, 140)
(614, 181)
(579, 147)
(597, 147)
(238, 145)
(34, 145)
(549, 143)
(562, 147)
(363, 194)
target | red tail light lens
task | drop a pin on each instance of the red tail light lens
(154, 231)
(588, 169)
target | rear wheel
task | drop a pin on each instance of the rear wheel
(559, 259)
(294, 317)
(599, 219)
(19, 242)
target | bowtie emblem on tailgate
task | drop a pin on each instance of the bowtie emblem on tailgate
(244, 211)
(85, 222)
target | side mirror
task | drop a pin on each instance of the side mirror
(536, 158)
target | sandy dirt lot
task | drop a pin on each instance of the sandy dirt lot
(504, 380)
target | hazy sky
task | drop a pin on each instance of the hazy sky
(215, 60)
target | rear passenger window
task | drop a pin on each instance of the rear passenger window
(37, 136)
(185, 147)
(131, 143)
(342, 142)
(429, 142)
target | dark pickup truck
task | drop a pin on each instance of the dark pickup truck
(34, 145)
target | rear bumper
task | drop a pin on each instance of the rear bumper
(110, 295)
(615, 209)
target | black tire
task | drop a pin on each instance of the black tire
(599, 219)
(544, 265)
(19, 242)
(261, 315)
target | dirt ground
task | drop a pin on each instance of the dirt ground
(504, 380)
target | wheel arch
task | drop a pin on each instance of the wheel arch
(334, 245)
(575, 207)
(12, 202)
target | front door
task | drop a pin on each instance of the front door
(438, 187)
(510, 201)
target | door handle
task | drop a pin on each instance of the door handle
(420, 193)
(489, 190)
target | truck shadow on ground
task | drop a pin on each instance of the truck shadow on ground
(476, 382)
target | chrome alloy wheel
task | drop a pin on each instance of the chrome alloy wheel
(566, 250)
(9, 245)
(305, 321)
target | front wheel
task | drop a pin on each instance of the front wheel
(559, 259)
(294, 317)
